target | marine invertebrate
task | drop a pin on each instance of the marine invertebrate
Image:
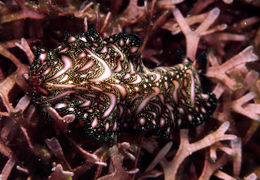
(103, 86)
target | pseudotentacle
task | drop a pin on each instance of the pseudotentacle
(103, 87)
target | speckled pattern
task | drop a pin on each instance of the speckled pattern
(105, 88)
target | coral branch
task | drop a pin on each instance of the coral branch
(54, 145)
(82, 10)
(23, 103)
(185, 149)
(228, 1)
(249, 82)
(251, 131)
(193, 37)
(89, 156)
(23, 14)
(60, 123)
(119, 172)
(26, 48)
(223, 175)
(168, 4)
(218, 90)
(60, 174)
(132, 13)
(28, 139)
(7, 85)
(7, 54)
(210, 168)
(251, 176)
(236, 145)
(159, 156)
(105, 22)
(231, 37)
(250, 110)
(7, 169)
(220, 71)
(6, 151)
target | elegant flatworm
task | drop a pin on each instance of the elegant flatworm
(104, 88)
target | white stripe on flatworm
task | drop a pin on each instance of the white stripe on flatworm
(86, 103)
(158, 76)
(175, 92)
(94, 122)
(71, 39)
(162, 122)
(60, 105)
(134, 49)
(119, 65)
(132, 71)
(83, 39)
(57, 97)
(115, 126)
(127, 76)
(87, 66)
(121, 89)
(82, 55)
(103, 50)
(147, 99)
(107, 71)
(46, 71)
(112, 104)
(60, 85)
(42, 57)
(138, 79)
(192, 87)
(67, 64)
(121, 42)
(64, 50)
(107, 126)
(142, 121)
(64, 78)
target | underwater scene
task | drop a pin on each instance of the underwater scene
(129, 89)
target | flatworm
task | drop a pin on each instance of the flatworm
(105, 87)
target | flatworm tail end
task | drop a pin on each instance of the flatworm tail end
(202, 110)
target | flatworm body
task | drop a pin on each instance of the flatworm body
(104, 88)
